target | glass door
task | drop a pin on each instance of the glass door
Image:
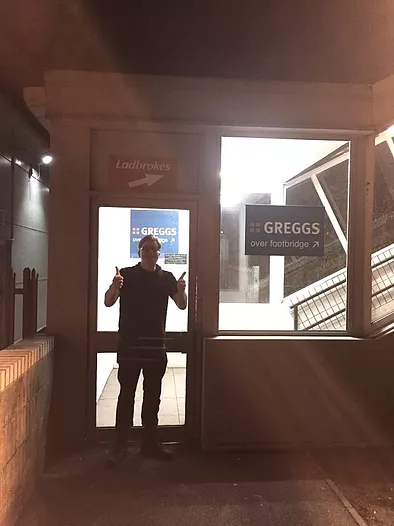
(118, 230)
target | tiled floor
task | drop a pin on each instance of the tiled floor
(172, 407)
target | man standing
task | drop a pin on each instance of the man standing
(144, 290)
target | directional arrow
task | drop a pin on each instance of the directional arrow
(149, 179)
(316, 244)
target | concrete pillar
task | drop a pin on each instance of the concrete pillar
(359, 286)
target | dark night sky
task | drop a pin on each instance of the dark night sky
(324, 40)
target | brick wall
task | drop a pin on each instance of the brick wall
(26, 371)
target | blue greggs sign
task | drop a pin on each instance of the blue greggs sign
(163, 224)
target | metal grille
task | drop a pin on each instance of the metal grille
(324, 309)
(322, 305)
(336, 323)
(383, 283)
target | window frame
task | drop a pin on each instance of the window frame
(362, 157)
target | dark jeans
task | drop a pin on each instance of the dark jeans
(128, 374)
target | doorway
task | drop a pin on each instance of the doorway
(117, 229)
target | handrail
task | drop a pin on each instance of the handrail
(336, 313)
(378, 263)
(380, 291)
(318, 293)
(333, 315)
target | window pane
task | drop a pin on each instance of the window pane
(315, 287)
(172, 406)
(268, 292)
(335, 184)
(118, 245)
(383, 232)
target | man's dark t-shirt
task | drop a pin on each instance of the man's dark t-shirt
(143, 312)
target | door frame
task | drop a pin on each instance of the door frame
(108, 340)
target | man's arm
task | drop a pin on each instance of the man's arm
(180, 299)
(111, 296)
(180, 296)
(113, 293)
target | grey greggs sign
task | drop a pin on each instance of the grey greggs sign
(284, 230)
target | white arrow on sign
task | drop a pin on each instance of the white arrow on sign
(316, 244)
(149, 179)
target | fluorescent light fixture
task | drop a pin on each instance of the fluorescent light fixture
(18, 162)
(47, 159)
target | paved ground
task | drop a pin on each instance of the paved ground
(300, 488)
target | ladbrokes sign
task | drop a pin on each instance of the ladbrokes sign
(142, 174)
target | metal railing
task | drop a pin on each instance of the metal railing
(312, 299)
(325, 309)
(8, 291)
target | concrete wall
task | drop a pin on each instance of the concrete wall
(297, 392)
(26, 371)
(220, 102)
(383, 103)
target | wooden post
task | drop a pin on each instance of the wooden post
(29, 291)
(11, 306)
(3, 302)
(26, 303)
(34, 299)
(8, 308)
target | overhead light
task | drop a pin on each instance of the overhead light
(47, 159)
(18, 162)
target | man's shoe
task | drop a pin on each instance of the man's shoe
(117, 456)
(156, 450)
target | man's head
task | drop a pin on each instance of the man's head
(149, 251)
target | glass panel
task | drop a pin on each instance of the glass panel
(120, 230)
(335, 185)
(172, 406)
(383, 230)
(315, 287)
(270, 292)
